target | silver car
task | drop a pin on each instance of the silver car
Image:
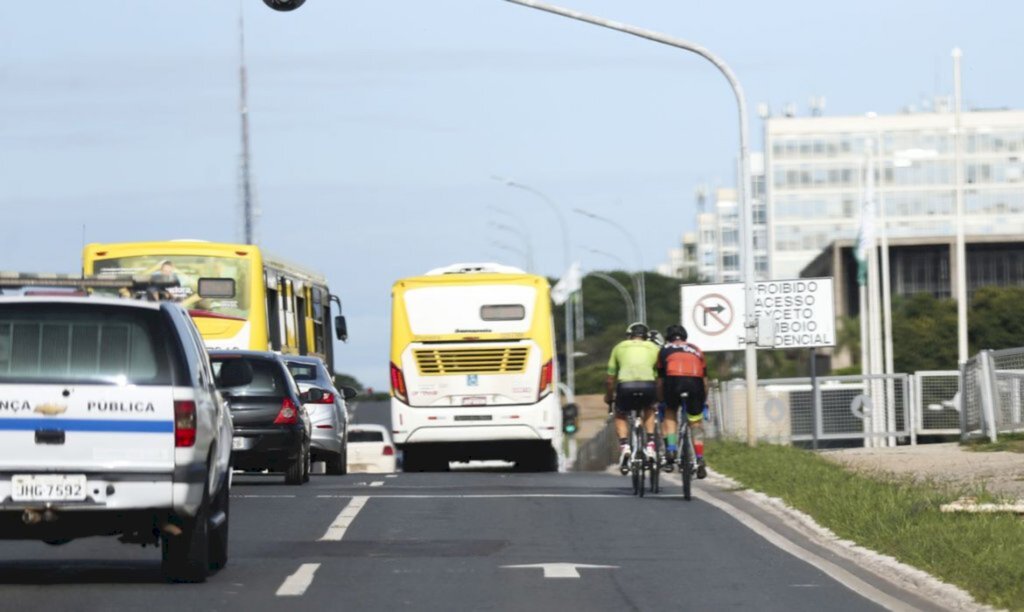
(329, 416)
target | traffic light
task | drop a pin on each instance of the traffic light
(570, 413)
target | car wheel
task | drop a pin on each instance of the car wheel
(185, 557)
(296, 471)
(308, 465)
(335, 464)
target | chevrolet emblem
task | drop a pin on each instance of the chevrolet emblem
(50, 409)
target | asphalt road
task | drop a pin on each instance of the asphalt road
(440, 542)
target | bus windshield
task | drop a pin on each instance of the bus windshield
(189, 269)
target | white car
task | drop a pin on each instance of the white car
(370, 450)
(110, 424)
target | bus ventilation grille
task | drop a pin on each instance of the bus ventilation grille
(503, 360)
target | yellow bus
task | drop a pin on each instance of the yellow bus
(276, 306)
(473, 368)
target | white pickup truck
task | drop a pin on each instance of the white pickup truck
(110, 424)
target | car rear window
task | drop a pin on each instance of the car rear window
(355, 435)
(83, 343)
(302, 372)
(267, 377)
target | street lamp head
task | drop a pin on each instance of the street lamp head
(284, 5)
(506, 181)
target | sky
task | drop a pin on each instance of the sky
(377, 126)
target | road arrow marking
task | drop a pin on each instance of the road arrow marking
(560, 570)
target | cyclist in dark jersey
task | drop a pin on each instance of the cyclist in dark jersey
(682, 369)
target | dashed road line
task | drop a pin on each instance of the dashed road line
(263, 496)
(337, 529)
(496, 496)
(296, 584)
(377, 483)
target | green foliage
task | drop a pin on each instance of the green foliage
(923, 333)
(995, 319)
(978, 552)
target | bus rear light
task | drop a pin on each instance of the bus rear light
(398, 383)
(546, 373)
(184, 424)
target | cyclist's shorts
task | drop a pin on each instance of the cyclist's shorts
(675, 386)
(634, 396)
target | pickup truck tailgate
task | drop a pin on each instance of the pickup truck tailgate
(86, 428)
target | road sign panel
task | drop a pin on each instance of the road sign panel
(802, 311)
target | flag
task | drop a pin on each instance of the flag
(570, 283)
(866, 233)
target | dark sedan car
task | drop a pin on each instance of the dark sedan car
(272, 430)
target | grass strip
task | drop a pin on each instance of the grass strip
(981, 553)
(1013, 443)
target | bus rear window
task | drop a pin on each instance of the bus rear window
(503, 312)
(86, 343)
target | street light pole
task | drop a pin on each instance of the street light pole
(570, 349)
(961, 247)
(630, 306)
(640, 284)
(748, 216)
(525, 237)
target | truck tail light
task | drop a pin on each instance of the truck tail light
(184, 424)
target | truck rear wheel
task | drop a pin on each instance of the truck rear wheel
(186, 556)
(219, 533)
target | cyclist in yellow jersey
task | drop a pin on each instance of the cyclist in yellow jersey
(631, 383)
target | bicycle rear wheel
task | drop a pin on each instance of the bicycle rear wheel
(686, 460)
(656, 462)
(636, 462)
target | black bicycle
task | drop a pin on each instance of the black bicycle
(687, 454)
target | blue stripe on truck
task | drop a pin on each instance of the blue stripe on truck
(116, 426)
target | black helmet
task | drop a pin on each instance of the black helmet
(637, 329)
(675, 332)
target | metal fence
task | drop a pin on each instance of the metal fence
(871, 410)
(993, 394)
(936, 403)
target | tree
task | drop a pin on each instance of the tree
(995, 320)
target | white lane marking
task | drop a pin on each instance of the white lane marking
(296, 584)
(337, 529)
(391, 476)
(834, 571)
(264, 496)
(498, 496)
(560, 570)
(377, 483)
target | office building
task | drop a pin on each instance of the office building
(817, 177)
